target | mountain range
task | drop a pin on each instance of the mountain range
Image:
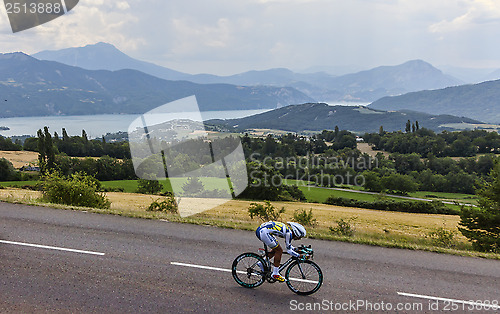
(478, 101)
(364, 86)
(320, 116)
(99, 78)
(30, 87)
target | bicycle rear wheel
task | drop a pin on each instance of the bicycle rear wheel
(304, 277)
(247, 272)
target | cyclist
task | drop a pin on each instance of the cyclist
(266, 233)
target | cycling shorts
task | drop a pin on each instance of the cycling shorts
(264, 235)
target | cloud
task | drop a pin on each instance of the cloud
(122, 5)
(90, 22)
(478, 13)
(192, 36)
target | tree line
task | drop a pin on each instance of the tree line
(426, 142)
(78, 146)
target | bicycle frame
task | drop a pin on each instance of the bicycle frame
(282, 266)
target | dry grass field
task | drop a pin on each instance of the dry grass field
(20, 158)
(372, 226)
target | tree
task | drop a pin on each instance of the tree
(381, 130)
(65, 136)
(408, 127)
(373, 182)
(41, 149)
(6, 144)
(49, 148)
(270, 145)
(481, 225)
(46, 151)
(399, 183)
(264, 183)
(193, 187)
(85, 138)
(7, 170)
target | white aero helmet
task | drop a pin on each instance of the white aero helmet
(297, 229)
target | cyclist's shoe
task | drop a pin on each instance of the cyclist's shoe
(278, 278)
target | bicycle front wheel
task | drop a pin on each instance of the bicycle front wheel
(249, 270)
(304, 277)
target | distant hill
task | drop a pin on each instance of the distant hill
(364, 86)
(469, 75)
(478, 101)
(320, 116)
(30, 87)
(104, 56)
(410, 76)
(495, 75)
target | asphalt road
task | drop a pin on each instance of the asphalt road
(125, 265)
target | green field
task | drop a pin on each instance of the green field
(130, 186)
(463, 198)
(18, 184)
(319, 194)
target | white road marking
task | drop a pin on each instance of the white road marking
(52, 248)
(201, 267)
(228, 270)
(419, 296)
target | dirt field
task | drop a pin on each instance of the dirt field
(21, 158)
(366, 148)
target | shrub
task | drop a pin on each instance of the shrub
(168, 205)
(112, 189)
(481, 225)
(215, 193)
(305, 218)
(78, 190)
(291, 193)
(344, 227)
(442, 237)
(149, 186)
(265, 212)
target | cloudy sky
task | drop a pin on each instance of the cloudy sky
(232, 36)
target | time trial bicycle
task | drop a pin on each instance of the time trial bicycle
(302, 275)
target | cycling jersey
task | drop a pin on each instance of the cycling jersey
(268, 230)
